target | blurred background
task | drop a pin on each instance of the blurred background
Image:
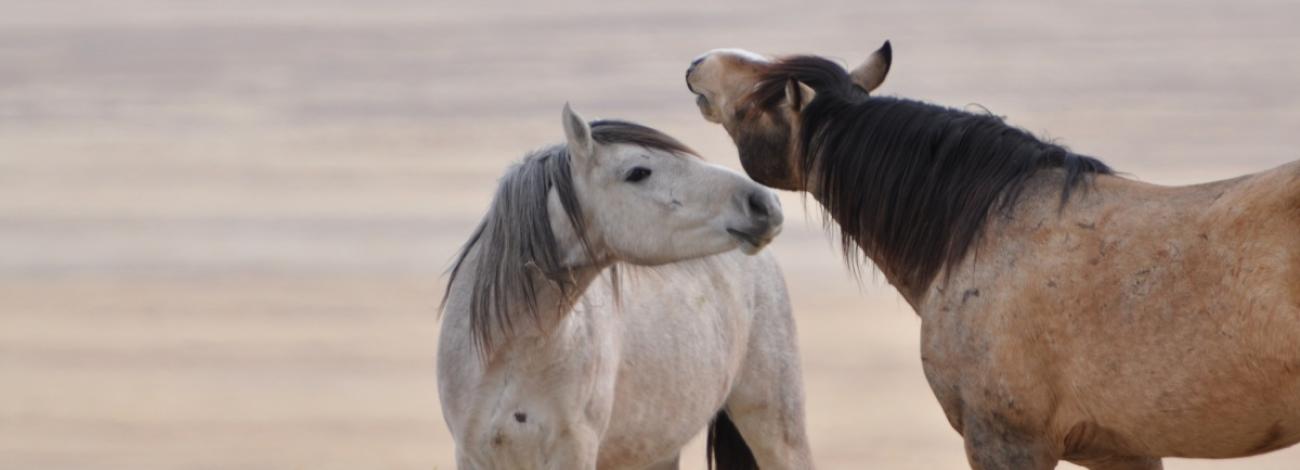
(224, 223)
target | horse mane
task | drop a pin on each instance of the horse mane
(909, 182)
(515, 240)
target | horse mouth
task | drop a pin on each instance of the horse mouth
(750, 243)
(695, 63)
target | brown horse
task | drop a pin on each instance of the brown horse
(1067, 313)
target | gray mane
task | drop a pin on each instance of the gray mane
(515, 239)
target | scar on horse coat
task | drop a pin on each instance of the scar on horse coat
(601, 316)
(1068, 313)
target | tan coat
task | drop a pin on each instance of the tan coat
(1136, 322)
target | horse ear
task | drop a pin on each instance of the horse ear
(872, 72)
(798, 94)
(577, 134)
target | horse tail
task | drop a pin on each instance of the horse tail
(726, 447)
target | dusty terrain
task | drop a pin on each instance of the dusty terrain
(223, 224)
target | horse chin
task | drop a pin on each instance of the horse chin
(751, 244)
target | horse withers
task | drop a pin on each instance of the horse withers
(1067, 313)
(601, 314)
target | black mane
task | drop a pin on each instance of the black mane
(911, 183)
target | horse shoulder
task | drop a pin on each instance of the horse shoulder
(998, 331)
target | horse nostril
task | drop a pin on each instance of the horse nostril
(758, 205)
(697, 61)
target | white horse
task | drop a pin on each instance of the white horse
(545, 361)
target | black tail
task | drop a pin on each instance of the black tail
(726, 447)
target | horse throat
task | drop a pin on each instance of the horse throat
(911, 288)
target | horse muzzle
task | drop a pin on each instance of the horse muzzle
(764, 220)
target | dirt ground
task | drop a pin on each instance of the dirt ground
(223, 224)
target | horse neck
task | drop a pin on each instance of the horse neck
(553, 304)
(947, 202)
(912, 293)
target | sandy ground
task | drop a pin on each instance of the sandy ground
(223, 223)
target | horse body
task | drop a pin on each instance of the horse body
(1128, 323)
(1067, 313)
(684, 341)
(607, 340)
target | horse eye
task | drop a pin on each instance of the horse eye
(637, 174)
